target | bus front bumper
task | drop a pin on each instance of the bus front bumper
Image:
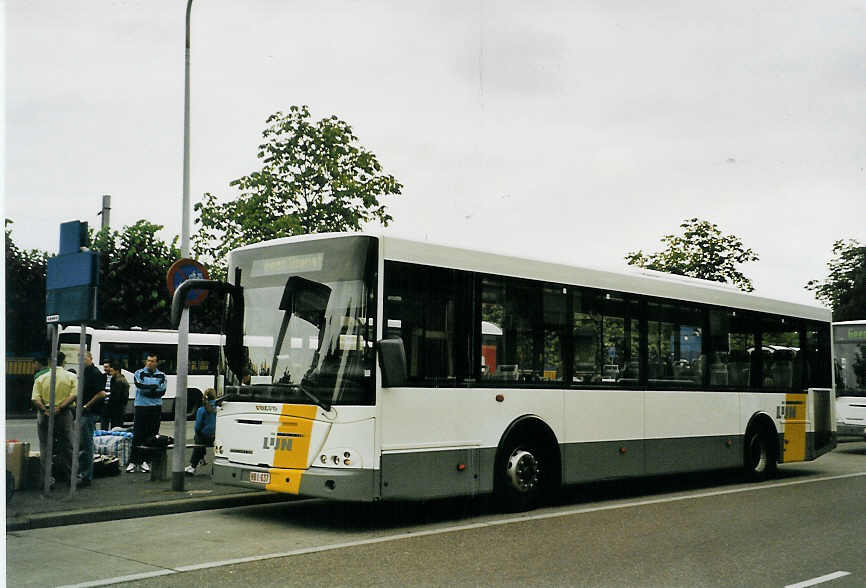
(336, 483)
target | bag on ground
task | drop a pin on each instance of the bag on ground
(112, 444)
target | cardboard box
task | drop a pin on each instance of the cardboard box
(16, 460)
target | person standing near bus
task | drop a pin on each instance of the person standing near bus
(43, 367)
(205, 430)
(106, 419)
(149, 390)
(92, 400)
(65, 390)
(118, 396)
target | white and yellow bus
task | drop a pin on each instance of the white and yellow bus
(849, 377)
(130, 348)
(372, 368)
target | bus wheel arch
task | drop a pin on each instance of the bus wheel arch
(528, 467)
(760, 447)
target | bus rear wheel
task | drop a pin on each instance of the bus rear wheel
(759, 456)
(521, 476)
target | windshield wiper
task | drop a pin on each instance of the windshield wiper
(323, 403)
(300, 387)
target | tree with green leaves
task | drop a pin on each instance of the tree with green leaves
(133, 264)
(701, 251)
(25, 297)
(132, 288)
(314, 178)
(844, 290)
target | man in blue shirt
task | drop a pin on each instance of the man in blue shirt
(149, 390)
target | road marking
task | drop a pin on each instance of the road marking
(467, 527)
(129, 578)
(819, 580)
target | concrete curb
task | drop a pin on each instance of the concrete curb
(148, 509)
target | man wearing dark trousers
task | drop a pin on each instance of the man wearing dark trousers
(92, 400)
(106, 419)
(65, 390)
(149, 390)
(119, 396)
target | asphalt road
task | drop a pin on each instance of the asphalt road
(699, 530)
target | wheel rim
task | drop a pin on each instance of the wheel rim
(758, 454)
(522, 471)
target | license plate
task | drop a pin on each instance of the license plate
(260, 477)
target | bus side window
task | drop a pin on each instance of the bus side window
(420, 308)
(523, 326)
(780, 340)
(675, 344)
(606, 337)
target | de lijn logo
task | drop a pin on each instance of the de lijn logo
(788, 409)
(281, 444)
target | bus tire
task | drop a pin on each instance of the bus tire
(759, 453)
(525, 474)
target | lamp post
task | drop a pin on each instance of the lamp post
(177, 473)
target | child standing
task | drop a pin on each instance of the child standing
(205, 430)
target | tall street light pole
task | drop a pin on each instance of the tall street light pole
(179, 454)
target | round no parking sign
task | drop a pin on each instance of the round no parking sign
(183, 270)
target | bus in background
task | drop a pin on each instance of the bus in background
(132, 347)
(389, 369)
(849, 377)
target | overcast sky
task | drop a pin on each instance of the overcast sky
(569, 130)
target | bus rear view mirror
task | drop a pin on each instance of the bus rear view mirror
(233, 320)
(306, 299)
(392, 362)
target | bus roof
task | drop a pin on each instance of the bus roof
(142, 336)
(633, 281)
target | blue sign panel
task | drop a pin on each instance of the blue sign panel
(72, 269)
(71, 278)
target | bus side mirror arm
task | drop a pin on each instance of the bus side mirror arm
(392, 362)
(180, 294)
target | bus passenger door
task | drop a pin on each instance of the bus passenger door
(430, 444)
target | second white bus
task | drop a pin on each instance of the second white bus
(849, 377)
(131, 347)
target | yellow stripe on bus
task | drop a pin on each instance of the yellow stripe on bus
(795, 427)
(285, 481)
(292, 446)
(293, 436)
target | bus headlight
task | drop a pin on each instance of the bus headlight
(217, 448)
(340, 458)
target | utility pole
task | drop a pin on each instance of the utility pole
(47, 459)
(178, 458)
(106, 210)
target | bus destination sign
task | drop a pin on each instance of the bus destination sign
(852, 334)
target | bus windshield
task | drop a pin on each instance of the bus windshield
(849, 342)
(308, 322)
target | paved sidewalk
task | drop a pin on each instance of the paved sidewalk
(126, 496)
